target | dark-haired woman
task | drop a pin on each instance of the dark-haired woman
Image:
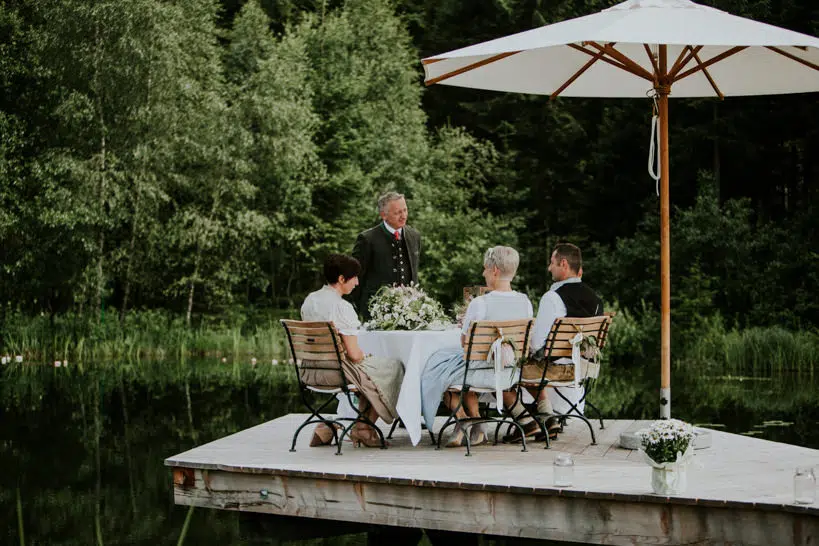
(378, 379)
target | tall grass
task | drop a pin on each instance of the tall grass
(770, 350)
(705, 344)
(753, 351)
(146, 335)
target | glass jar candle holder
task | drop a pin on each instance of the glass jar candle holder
(563, 470)
(804, 485)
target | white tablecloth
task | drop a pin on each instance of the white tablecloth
(413, 349)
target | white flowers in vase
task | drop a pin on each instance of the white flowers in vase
(668, 447)
(405, 308)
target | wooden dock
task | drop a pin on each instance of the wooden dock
(740, 491)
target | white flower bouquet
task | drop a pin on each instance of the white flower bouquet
(665, 441)
(405, 308)
(668, 446)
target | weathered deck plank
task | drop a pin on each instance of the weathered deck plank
(740, 490)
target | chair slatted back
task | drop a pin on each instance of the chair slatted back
(559, 340)
(483, 333)
(316, 346)
(313, 340)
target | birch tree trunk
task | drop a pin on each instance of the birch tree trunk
(198, 261)
(101, 186)
(129, 267)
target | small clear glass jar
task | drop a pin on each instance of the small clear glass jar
(804, 485)
(563, 470)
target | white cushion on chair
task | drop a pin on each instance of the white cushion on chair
(458, 388)
(331, 390)
(481, 389)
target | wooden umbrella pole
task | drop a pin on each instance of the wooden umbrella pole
(663, 88)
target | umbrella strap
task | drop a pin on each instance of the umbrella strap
(654, 147)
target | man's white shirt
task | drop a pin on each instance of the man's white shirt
(392, 230)
(550, 309)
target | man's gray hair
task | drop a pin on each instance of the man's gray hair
(505, 258)
(387, 198)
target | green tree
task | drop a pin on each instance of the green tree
(271, 101)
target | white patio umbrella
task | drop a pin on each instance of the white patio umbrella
(640, 48)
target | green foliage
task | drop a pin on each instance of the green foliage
(723, 260)
(456, 232)
(182, 155)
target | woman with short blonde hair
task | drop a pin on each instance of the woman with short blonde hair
(446, 367)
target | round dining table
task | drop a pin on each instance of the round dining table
(413, 348)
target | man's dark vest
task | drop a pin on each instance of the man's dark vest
(580, 300)
(402, 274)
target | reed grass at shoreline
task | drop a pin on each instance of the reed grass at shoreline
(257, 337)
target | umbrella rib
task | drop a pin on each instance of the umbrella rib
(612, 62)
(634, 67)
(710, 79)
(469, 67)
(652, 59)
(793, 57)
(683, 60)
(576, 75)
(709, 62)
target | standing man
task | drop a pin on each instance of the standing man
(388, 253)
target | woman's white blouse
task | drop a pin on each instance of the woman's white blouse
(497, 306)
(327, 304)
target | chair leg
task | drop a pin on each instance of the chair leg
(498, 427)
(577, 414)
(588, 424)
(468, 436)
(362, 418)
(394, 426)
(598, 412)
(298, 430)
(546, 435)
(314, 418)
(451, 420)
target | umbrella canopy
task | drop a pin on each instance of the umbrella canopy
(634, 49)
(714, 53)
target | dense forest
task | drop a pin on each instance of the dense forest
(195, 156)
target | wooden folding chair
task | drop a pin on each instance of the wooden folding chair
(318, 346)
(559, 344)
(482, 334)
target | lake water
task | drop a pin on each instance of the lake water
(83, 447)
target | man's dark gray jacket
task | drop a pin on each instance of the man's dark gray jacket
(373, 249)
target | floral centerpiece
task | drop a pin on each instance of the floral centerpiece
(668, 446)
(405, 308)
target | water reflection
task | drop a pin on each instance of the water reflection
(84, 445)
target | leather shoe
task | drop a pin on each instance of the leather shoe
(529, 429)
(553, 426)
(323, 435)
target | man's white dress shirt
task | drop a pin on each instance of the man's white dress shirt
(551, 308)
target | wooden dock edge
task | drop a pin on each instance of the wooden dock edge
(553, 514)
